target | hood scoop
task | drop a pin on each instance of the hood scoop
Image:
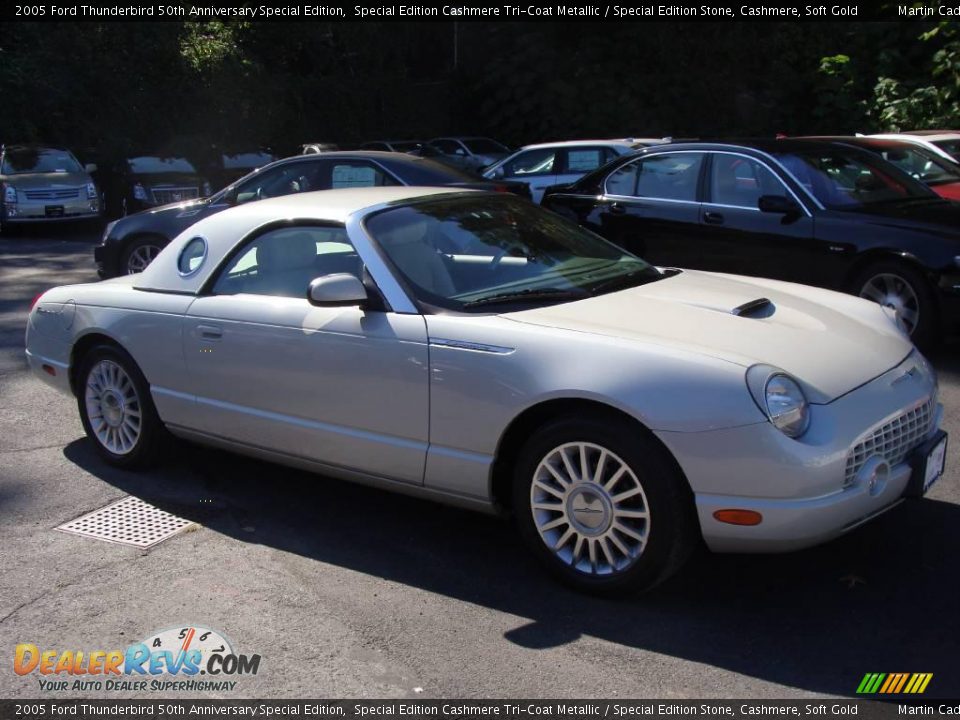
(759, 308)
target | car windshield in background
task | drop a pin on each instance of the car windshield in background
(922, 164)
(951, 147)
(847, 180)
(481, 146)
(246, 160)
(21, 162)
(472, 254)
(148, 165)
(405, 146)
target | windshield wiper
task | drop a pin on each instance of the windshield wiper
(528, 295)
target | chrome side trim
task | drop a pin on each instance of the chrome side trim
(471, 346)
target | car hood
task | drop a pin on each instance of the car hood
(831, 343)
(46, 181)
(936, 214)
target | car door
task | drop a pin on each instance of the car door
(738, 237)
(342, 386)
(651, 207)
(537, 168)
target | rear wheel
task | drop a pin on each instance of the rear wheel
(139, 254)
(906, 291)
(603, 506)
(116, 410)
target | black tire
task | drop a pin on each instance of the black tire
(672, 530)
(139, 245)
(926, 331)
(151, 435)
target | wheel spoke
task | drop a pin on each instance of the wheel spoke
(638, 514)
(554, 523)
(547, 488)
(626, 494)
(564, 482)
(872, 292)
(628, 531)
(592, 550)
(601, 466)
(571, 473)
(564, 538)
(615, 478)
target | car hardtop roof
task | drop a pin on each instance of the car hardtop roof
(32, 147)
(928, 133)
(867, 141)
(346, 154)
(763, 145)
(628, 142)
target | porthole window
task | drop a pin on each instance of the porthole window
(192, 256)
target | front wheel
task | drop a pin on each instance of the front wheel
(116, 409)
(602, 506)
(139, 254)
(905, 290)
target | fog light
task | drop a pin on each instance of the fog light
(738, 517)
(873, 474)
(11, 210)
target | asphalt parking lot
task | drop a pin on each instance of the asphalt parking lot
(347, 591)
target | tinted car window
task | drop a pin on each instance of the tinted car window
(532, 162)
(30, 160)
(282, 262)
(922, 164)
(740, 181)
(481, 146)
(356, 173)
(950, 146)
(449, 147)
(671, 176)
(278, 181)
(845, 179)
(141, 165)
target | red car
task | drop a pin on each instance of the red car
(940, 174)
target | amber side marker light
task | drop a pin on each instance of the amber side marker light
(738, 517)
(49, 370)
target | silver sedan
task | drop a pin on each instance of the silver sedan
(472, 348)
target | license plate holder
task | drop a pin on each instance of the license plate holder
(928, 463)
(54, 210)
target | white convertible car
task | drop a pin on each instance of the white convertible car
(472, 348)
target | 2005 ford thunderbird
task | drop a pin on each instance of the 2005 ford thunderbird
(473, 348)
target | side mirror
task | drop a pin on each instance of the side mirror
(337, 289)
(90, 167)
(500, 172)
(779, 204)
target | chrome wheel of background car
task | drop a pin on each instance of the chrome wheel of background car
(589, 508)
(895, 292)
(140, 257)
(113, 407)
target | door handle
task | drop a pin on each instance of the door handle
(617, 209)
(210, 332)
(713, 218)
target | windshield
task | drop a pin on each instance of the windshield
(921, 163)
(405, 145)
(848, 179)
(470, 253)
(143, 165)
(242, 161)
(484, 146)
(38, 160)
(951, 147)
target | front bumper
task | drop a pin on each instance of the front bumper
(62, 211)
(800, 487)
(107, 258)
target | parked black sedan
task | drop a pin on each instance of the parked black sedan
(148, 181)
(806, 211)
(131, 243)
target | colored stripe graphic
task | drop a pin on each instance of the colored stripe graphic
(894, 683)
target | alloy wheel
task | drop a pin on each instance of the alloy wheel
(140, 257)
(113, 407)
(895, 292)
(590, 509)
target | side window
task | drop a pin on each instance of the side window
(283, 180)
(584, 160)
(449, 147)
(354, 173)
(282, 262)
(532, 162)
(623, 180)
(672, 176)
(740, 181)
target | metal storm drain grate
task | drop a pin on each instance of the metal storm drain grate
(129, 521)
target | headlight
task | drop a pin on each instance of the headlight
(9, 194)
(91, 191)
(139, 192)
(780, 398)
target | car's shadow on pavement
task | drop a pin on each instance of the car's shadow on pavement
(882, 599)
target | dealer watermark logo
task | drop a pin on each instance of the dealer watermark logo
(169, 660)
(894, 683)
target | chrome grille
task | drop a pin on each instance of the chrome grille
(172, 195)
(893, 440)
(67, 194)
